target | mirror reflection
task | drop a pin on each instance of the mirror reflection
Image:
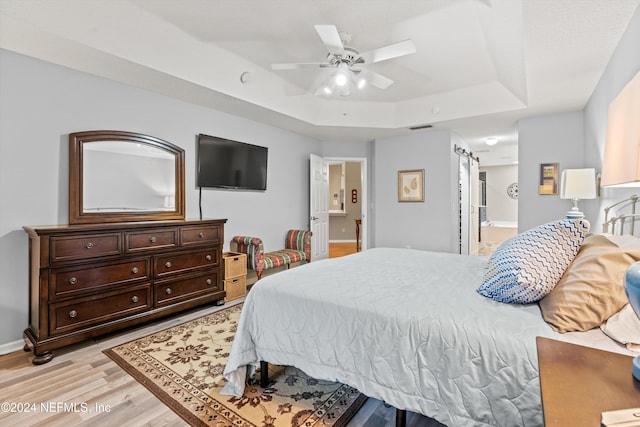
(121, 176)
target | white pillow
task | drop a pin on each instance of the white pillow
(624, 327)
(526, 267)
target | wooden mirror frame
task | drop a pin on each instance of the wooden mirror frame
(77, 214)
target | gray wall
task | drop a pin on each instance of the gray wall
(501, 207)
(41, 103)
(546, 139)
(431, 224)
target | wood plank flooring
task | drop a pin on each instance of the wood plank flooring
(338, 249)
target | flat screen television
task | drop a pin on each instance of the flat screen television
(224, 163)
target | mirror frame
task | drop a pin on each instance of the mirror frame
(77, 215)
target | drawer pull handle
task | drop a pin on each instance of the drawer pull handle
(167, 264)
(208, 257)
(153, 239)
(88, 245)
(200, 235)
(235, 281)
(134, 270)
(73, 313)
(168, 291)
(73, 280)
(208, 281)
(134, 299)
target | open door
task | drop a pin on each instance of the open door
(319, 207)
(474, 208)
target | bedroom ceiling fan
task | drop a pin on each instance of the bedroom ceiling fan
(345, 63)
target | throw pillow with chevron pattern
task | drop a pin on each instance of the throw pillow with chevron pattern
(528, 266)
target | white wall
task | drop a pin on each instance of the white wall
(501, 207)
(432, 224)
(556, 138)
(41, 103)
(623, 66)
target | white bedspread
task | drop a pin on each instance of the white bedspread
(403, 326)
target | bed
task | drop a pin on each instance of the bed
(407, 327)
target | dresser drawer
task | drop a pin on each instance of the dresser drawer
(182, 262)
(200, 235)
(151, 239)
(71, 281)
(85, 312)
(85, 246)
(171, 292)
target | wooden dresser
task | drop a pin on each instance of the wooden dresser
(88, 280)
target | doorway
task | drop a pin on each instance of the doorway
(468, 202)
(346, 201)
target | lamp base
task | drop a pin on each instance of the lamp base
(574, 213)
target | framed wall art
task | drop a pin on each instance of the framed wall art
(548, 178)
(411, 185)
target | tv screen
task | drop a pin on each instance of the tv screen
(223, 163)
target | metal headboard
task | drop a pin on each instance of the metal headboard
(623, 219)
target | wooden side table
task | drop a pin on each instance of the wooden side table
(578, 383)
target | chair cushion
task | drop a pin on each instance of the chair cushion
(282, 257)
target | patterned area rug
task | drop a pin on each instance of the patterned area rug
(183, 367)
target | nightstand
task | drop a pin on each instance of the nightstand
(578, 383)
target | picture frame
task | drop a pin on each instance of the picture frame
(411, 185)
(548, 178)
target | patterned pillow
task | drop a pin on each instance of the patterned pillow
(528, 266)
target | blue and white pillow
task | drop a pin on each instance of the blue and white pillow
(528, 266)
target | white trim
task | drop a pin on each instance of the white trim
(10, 347)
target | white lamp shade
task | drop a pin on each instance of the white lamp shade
(621, 165)
(579, 184)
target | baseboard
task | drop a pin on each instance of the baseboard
(342, 241)
(10, 347)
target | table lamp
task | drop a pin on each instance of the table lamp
(632, 289)
(577, 184)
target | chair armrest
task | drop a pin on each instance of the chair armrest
(253, 247)
(301, 241)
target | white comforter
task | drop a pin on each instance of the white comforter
(403, 326)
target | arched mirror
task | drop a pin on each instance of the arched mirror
(117, 176)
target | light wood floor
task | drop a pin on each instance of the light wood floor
(82, 374)
(338, 249)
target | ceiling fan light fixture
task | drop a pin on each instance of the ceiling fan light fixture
(342, 77)
(491, 141)
(327, 90)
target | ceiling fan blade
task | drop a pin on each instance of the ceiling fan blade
(298, 65)
(395, 50)
(375, 79)
(331, 38)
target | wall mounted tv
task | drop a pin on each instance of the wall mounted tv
(223, 163)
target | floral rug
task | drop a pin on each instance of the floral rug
(183, 367)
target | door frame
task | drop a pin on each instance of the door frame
(364, 227)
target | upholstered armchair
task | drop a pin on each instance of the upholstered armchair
(297, 248)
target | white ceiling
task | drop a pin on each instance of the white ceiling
(480, 65)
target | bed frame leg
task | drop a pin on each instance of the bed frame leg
(401, 417)
(264, 374)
